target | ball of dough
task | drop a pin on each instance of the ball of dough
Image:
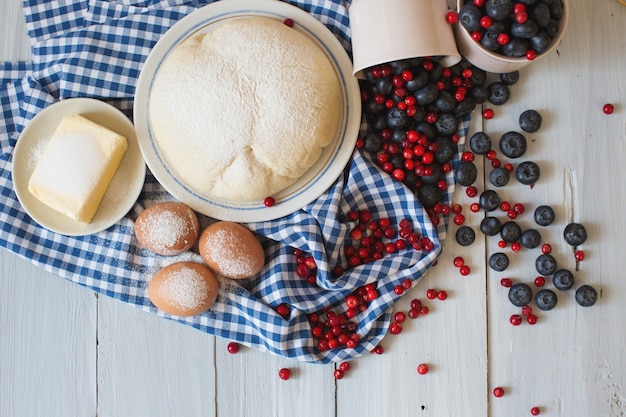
(231, 250)
(243, 111)
(167, 228)
(183, 289)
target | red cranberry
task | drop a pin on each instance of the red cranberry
(283, 310)
(344, 366)
(579, 255)
(471, 191)
(269, 201)
(338, 374)
(400, 317)
(488, 114)
(464, 270)
(415, 303)
(378, 350)
(506, 282)
(531, 319)
(546, 248)
(233, 347)
(423, 310)
(284, 374)
(459, 262)
(535, 411)
(452, 17)
(442, 295)
(527, 310)
(422, 369)
(540, 281)
(288, 22)
(608, 108)
(515, 319)
(498, 392)
(395, 328)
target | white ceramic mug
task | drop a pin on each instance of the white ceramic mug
(391, 30)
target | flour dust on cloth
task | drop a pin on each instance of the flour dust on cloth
(94, 48)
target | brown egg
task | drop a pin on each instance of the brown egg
(231, 250)
(167, 228)
(183, 289)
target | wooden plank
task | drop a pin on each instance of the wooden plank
(47, 348)
(249, 386)
(568, 363)
(150, 366)
(451, 340)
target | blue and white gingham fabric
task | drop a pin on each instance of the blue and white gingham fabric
(95, 48)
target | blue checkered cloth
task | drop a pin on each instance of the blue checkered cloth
(95, 48)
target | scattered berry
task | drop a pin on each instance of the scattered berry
(535, 411)
(233, 347)
(498, 392)
(284, 374)
(269, 201)
(608, 108)
(422, 369)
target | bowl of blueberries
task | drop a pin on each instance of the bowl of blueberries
(502, 36)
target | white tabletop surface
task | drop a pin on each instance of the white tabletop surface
(65, 351)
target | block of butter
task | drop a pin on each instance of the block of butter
(77, 166)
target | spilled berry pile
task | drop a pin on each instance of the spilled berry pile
(514, 29)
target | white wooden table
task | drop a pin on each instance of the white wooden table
(65, 351)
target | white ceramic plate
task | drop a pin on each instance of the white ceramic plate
(334, 157)
(124, 188)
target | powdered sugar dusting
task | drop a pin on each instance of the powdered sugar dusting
(226, 251)
(164, 229)
(186, 288)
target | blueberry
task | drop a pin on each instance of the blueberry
(445, 102)
(552, 29)
(510, 78)
(465, 107)
(499, 261)
(373, 142)
(530, 238)
(530, 121)
(446, 149)
(398, 66)
(556, 9)
(490, 226)
(499, 93)
(489, 40)
(527, 172)
(545, 264)
(429, 195)
(575, 234)
(479, 76)
(563, 279)
(420, 78)
(513, 144)
(510, 232)
(371, 107)
(499, 9)
(479, 93)
(434, 177)
(524, 30)
(546, 299)
(466, 173)
(447, 124)
(586, 296)
(397, 119)
(540, 42)
(489, 200)
(398, 135)
(427, 129)
(499, 177)
(427, 94)
(378, 121)
(465, 235)
(480, 143)
(469, 17)
(540, 13)
(520, 294)
(384, 85)
(516, 48)
(544, 215)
